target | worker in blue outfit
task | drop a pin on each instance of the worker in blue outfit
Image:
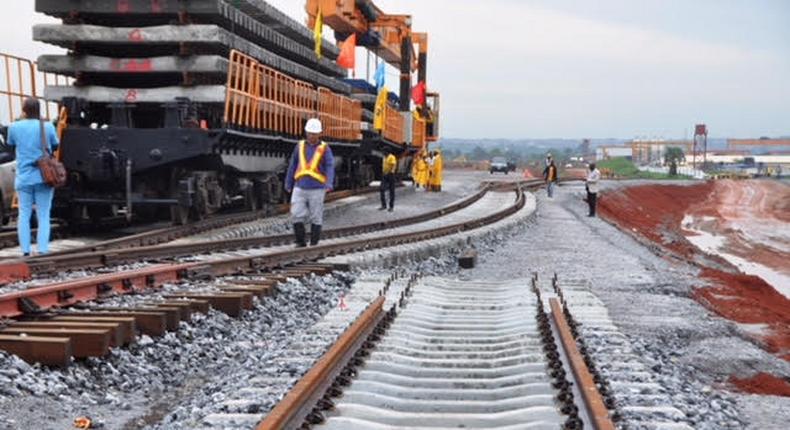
(311, 174)
(25, 135)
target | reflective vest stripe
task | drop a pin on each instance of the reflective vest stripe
(311, 169)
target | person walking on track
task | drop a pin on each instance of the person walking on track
(30, 136)
(388, 168)
(592, 188)
(311, 174)
(550, 176)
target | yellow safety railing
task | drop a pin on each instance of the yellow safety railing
(260, 98)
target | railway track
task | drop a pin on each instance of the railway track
(167, 234)
(201, 250)
(450, 354)
(10, 238)
(265, 267)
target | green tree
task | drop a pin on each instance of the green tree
(673, 156)
(479, 154)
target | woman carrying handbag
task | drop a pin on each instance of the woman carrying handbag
(35, 140)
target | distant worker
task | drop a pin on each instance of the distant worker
(592, 188)
(311, 174)
(426, 172)
(436, 176)
(550, 176)
(416, 170)
(29, 135)
(431, 162)
(420, 171)
(388, 168)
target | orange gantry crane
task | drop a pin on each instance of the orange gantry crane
(391, 38)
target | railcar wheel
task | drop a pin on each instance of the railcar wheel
(252, 199)
(179, 215)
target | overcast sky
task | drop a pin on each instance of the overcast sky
(581, 68)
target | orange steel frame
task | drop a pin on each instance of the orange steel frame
(261, 98)
(343, 16)
(421, 40)
(433, 134)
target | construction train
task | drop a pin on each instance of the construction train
(183, 108)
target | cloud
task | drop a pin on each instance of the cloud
(521, 29)
(510, 68)
(518, 68)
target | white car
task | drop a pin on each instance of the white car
(499, 164)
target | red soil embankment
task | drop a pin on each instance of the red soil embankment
(656, 211)
(762, 383)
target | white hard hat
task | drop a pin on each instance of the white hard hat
(313, 126)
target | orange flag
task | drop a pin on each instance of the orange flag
(347, 57)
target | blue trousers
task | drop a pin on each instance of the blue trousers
(41, 195)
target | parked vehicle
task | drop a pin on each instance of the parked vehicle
(499, 164)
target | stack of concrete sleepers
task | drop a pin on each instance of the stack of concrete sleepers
(161, 12)
(159, 60)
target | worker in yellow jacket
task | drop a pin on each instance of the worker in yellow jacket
(419, 172)
(426, 172)
(389, 167)
(436, 172)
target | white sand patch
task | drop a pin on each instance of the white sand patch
(716, 245)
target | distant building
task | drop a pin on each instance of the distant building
(763, 142)
(647, 152)
(613, 151)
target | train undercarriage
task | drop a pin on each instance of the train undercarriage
(144, 174)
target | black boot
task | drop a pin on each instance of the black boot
(299, 233)
(315, 234)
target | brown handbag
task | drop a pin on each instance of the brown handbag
(52, 170)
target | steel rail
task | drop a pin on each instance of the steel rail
(301, 255)
(101, 258)
(63, 294)
(9, 239)
(292, 410)
(166, 234)
(593, 401)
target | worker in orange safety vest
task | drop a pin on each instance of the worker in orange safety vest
(311, 174)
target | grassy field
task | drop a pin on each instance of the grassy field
(623, 168)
